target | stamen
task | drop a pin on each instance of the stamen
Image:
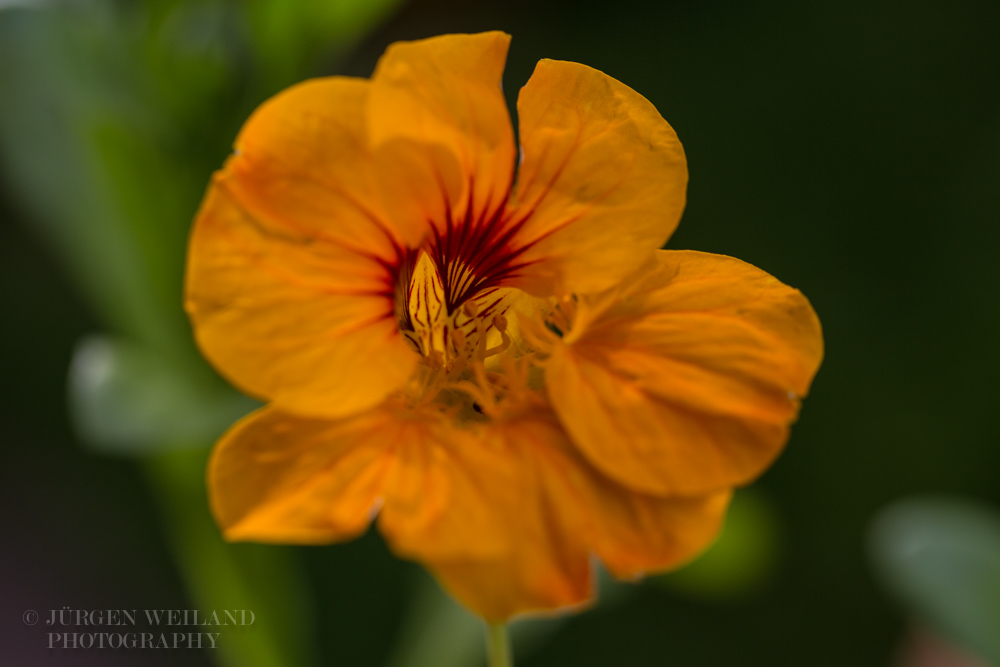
(497, 349)
(436, 359)
(486, 389)
(481, 398)
(537, 335)
(454, 341)
(459, 341)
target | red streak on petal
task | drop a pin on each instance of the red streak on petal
(476, 252)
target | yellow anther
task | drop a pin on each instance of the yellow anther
(500, 322)
(470, 308)
(458, 340)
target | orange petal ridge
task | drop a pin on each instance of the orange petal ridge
(602, 181)
(307, 325)
(686, 380)
(557, 511)
(276, 477)
(290, 286)
(442, 96)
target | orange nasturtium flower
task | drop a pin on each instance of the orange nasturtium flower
(483, 350)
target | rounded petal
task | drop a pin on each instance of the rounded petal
(278, 478)
(633, 533)
(685, 380)
(435, 502)
(303, 162)
(290, 277)
(289, 315)
(559, 510)
(549, 566)
(442, 97)
(602, 180)
(275, 477)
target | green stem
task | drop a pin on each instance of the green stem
(499, 645)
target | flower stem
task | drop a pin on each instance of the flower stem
(499, 645)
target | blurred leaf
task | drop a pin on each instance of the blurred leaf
(941, 558)
(742, 558)
(126, 398)
(87, 149)
(192, 55)
(112, 117)
(265, 579)
(290, 36)
(438, 632)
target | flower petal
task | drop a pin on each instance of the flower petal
(445, 93)
(635, 533)
(559, 509)
(303, 161)
(549, 566)
(278, 478)
(435, 503)
(275, 477)
(685, 381)
(289, 315)
(602, 180)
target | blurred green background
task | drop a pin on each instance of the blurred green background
(852, 149)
